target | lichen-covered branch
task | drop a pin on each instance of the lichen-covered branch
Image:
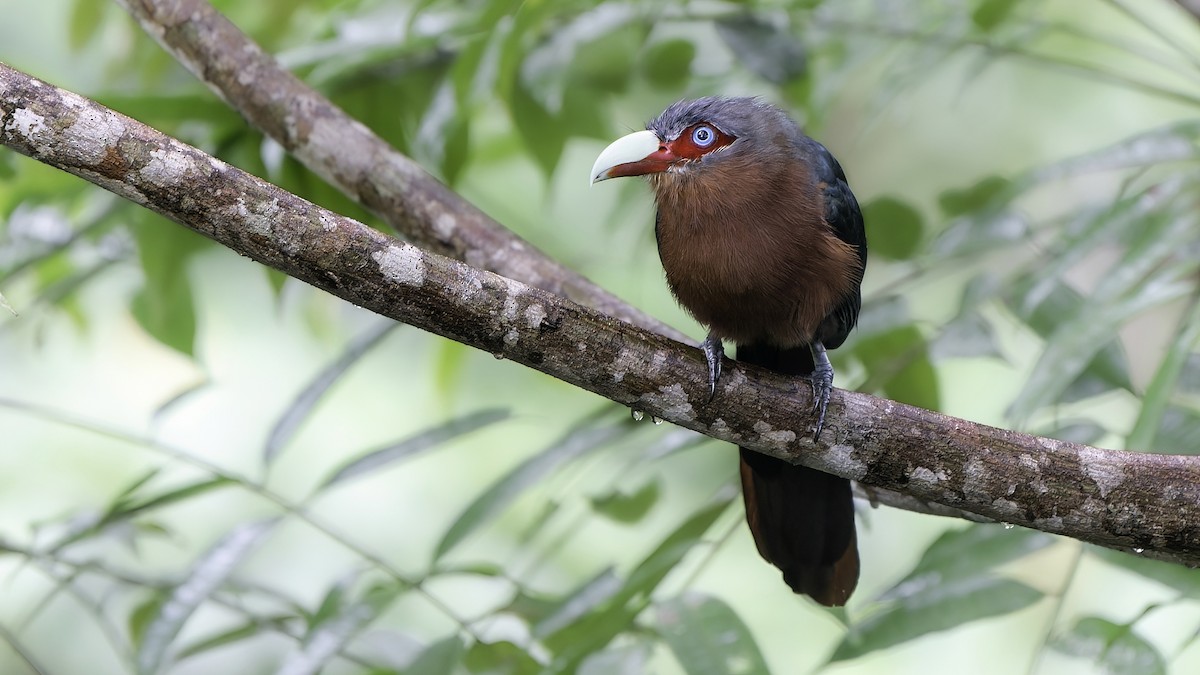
(1123, 500)
(352, 158)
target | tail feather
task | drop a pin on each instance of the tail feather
(802, 519)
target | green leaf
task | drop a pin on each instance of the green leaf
(164, 306)
(970, 336)
(500, 658)
(426, 440)
(1086, 432)
(1156, 398)
(1177, 577)
(627, 508)
(487, 506)
(898, 363)
(439, 658)
(237, 635)
(1179, 431)
(302, 406)
(626, 659)
(205, 577)
(1116, 649)
(1109, 367)
(764, 48)
(86, 20)
(593, 631)
(667, 64)
(934, 608)
(539, 130)
(337, 628)
(966, 553)
(1148, 275)
(894, 228)
(988, 14)
(707, 637)
(550, 617)
(978, 197)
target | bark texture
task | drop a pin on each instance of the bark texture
(1124, 500)
(353, 159)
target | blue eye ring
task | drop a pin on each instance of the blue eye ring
(704, 136)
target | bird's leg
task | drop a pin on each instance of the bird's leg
(822, 384)
(714, 351)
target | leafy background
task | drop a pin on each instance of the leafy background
(206, 467)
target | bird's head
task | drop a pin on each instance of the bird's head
(697, 137)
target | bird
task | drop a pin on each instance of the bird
(763, 243)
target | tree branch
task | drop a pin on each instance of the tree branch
(353, 159)
(1118, 499)
(374, 174)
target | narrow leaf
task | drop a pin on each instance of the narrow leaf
(1177, 577)
(209, 572)
(594, 630)
(332, 635)
(304, 403)
(707, 637)
(627, 508)
(576, 443)
(965, 553)
(1157, 396)
(1116, 649)
(426, 440)
(935, 608)
(439, 658)
(764, 48)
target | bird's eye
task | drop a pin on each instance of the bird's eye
(703, 136)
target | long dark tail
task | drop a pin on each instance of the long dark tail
(802, 519)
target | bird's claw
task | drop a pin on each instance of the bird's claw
(714, 351)
(822, 386)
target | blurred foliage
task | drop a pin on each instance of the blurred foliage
(1053, 266)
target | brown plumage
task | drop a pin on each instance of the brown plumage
(763, 243)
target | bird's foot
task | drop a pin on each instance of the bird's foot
(822, 385)
(714, 351)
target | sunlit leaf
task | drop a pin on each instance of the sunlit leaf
(707, 637)
(1114, 648)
